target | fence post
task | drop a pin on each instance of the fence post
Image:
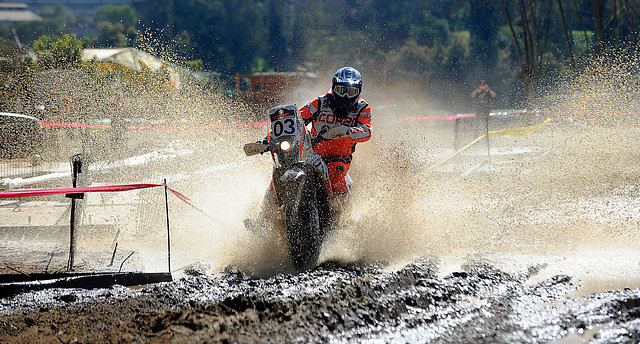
(166, 203)
(488, 142)
(76, 166)
(456, 133)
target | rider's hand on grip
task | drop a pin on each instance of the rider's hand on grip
(265, 143)
(337, 132)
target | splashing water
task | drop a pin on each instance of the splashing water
(563, 199)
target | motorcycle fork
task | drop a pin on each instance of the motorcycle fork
(298, 196)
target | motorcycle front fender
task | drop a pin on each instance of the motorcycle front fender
(291, 175)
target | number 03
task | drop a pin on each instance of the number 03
(286, 126)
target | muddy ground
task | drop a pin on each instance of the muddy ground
(330, 304)
(535, 248)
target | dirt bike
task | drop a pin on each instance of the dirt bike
(300, 182)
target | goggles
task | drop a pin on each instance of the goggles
(346, 91)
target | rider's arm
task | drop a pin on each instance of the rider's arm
(361, 132)
(309, 111)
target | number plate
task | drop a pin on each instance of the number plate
(285, 126)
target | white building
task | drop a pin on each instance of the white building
(74, 6)
(16, 12)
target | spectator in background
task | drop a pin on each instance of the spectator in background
(483, 96)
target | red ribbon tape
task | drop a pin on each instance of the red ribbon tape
(88, 189)
(42, 192)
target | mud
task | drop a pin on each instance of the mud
(333, 303)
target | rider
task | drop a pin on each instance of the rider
(343, 119)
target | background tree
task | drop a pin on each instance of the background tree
(116, 25)
(529, 47)
(58, 13)
(440, 47)
(59, 52)
(484, 51)
(56, 20)
(124, 14)
(598, 21)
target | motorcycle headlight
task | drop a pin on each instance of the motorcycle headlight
(285, 145)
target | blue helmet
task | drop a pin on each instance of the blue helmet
(346, 86)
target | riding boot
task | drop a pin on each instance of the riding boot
(340, 201)
(268, 214)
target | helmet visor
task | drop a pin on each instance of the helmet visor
(346, 91)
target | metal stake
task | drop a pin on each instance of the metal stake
(76, 164)
(456, 133)
(166, 203)
(488, 144)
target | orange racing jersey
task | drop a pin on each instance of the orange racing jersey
(320, 112)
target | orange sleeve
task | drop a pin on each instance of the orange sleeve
(363, 131)
(309, 110)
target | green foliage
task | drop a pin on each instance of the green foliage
(58, 13)
(59, 52)
(195, 64)
(124, 14)
(430, 30)
(116, 25)
(114, 35)
(445, 44)
(583, 41)
(28, 32)
(4, 31)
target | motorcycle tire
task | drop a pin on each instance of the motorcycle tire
(303, 234)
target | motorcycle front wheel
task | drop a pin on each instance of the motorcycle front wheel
(303, 234)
